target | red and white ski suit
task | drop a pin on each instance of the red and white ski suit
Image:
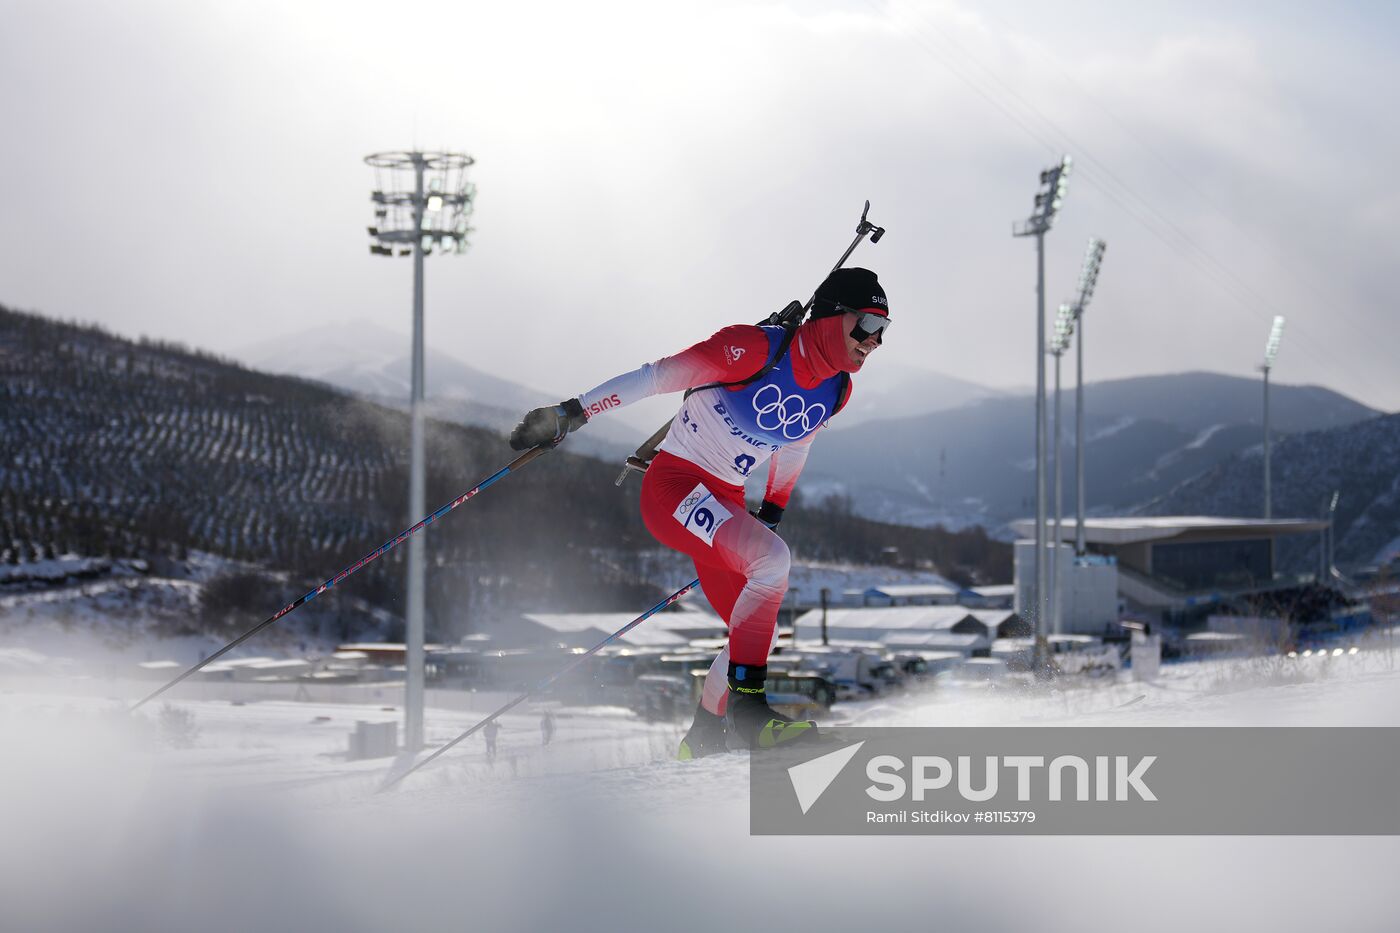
(693, 493)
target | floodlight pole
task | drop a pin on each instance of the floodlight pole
(1088, 280)
(403, 224)
(1079, 547)
(1047, 202)
(1268, 485)
(1057, 603)
(1042, 588)
(1064, 332)
(414, 629)
(1332, 572)
(1322, 542)
(1270, 354)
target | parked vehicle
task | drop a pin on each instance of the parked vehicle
(859, 672)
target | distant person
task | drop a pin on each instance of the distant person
(489, 733)
(546, 727)
(760, 392)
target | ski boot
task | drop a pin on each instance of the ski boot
(749, 722)
(706, 736)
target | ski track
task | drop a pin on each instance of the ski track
(263, 824)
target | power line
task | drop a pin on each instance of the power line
(1173, 236)
(1182, 177)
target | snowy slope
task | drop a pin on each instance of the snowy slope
(263, 825)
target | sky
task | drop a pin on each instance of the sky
(648, 172)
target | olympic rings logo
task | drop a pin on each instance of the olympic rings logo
(787, 412)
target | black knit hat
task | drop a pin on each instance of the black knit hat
(850, 290)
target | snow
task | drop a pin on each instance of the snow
(1121, 424)
(53, 570)
(261, 822)
(16, 660)
(1387, 554)
(1108, 430)
(1174, 456)
(808, 578)
(1200, 440)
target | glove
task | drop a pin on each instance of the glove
(547, 426)
(769, 514)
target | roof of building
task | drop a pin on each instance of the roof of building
(381, 647)
(612, 621)
(641, 636)
(918, 618)
(911, 591)
(934, 639)
(682, 622)
(999, 589)
(992, 617)
(578, 621)
(604, 623)
(1132, 529)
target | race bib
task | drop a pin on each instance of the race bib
(702, 514)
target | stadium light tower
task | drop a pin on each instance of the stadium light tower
(1270, 354)
(1088, 279)
(1054, 182)
(424, 207)
(1059, 343)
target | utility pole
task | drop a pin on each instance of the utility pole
(1270, 354)
(826, 598)
(424, 207)
(1054, 182)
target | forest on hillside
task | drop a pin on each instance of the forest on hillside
(143, 449)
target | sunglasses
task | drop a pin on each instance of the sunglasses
(868, 324)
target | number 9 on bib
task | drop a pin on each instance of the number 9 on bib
(702, 514)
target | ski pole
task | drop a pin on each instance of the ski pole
(545, 684)
(384, 548)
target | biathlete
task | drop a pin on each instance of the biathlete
(743, 412)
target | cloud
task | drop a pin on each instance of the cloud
(650, 172)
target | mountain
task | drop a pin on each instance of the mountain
(895, 391)
(1143, 436)
(374, 362)
(369, 359)
(1198, 401)
(144, 451)
(1360, 461)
